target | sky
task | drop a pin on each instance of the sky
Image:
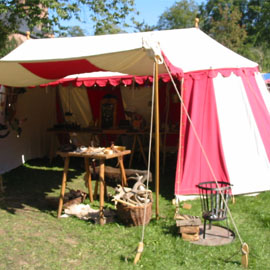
(150, 10)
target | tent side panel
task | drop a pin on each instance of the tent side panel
(259, 109)
(38, 107)
(244, 151)
(201, 105)
(75, 100)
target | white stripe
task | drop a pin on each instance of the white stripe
(14, 74)
(245, 155)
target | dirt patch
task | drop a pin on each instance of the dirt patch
(23, 263)
(71, 241)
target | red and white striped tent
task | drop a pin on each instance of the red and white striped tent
(224, 93)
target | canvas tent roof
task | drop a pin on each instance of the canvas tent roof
(40, 61)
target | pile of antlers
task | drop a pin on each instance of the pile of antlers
(138, 195)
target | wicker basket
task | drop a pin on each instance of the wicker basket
(133, 215)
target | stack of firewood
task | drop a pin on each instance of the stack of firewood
(189, 226)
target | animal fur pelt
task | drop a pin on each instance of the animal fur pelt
(85, 212)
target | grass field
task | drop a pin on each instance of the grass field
(31, 237)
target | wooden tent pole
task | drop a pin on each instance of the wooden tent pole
(157, 137)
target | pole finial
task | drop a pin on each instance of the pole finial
(27, 34)
(197, 22)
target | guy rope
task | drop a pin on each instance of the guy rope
(244, 246)
(140, 246)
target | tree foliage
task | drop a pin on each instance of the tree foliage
(257, 21)
(144, 27)
(73, 31)
(46, 15)
(227, 29)
(181, 15)
(242, 25)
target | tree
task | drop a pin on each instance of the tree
(181, 15)
(73, 31)
(257, 21)
(227, 29)
(222, 19)
(143, 27)
(103, 30)
(46, 15)
(241, 25)
(8, 46)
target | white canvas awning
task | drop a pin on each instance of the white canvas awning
(43, 60)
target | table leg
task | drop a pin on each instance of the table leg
(123, 173)
(63, 188)
(88, 178)
(101, 195)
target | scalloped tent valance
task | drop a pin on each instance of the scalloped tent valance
(103, 79)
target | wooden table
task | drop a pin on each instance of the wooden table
(102, 158)
(92, 132)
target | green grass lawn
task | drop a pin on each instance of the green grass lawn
(31, 237)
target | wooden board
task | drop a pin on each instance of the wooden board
(190, 237)
(189, 229)
(188, 222)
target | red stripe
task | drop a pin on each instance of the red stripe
(60, 69)
(200, 102)
(259, 109)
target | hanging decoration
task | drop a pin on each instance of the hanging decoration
(8, 119)
(3, 127)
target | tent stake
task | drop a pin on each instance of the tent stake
(139, 252)
(157, 137)
(245, 251)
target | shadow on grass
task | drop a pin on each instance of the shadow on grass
(30, 183)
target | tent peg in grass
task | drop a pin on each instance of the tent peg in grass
(139, 252)
(245, 252)
(184, 205)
